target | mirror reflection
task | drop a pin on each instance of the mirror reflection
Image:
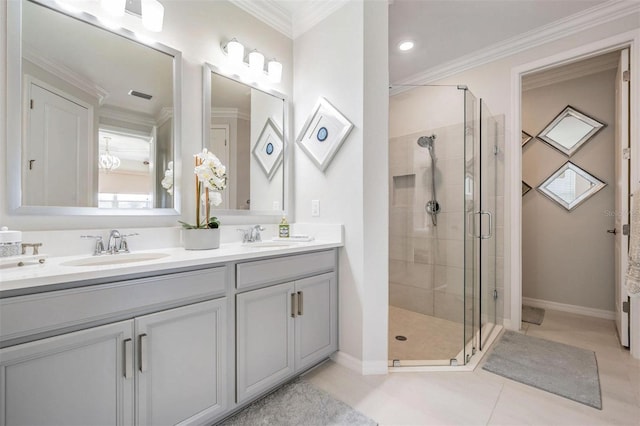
(570, 186)
(245, 130)
(570, 130)
(98, 115)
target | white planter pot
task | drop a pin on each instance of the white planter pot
(201, 239)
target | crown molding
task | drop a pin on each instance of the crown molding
(589, 18)
(165, 114)
(268, 12)
(572, 71)
(66, 74)
(229, 113)
(314, 12)
(126, 116)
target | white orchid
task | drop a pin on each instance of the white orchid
(167, 181)
(211, 178)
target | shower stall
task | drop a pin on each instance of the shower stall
(445, 150)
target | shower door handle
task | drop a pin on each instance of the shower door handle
(490, 234)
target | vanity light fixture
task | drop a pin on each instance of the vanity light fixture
(405, 45)
(150, 11)
(235, 52)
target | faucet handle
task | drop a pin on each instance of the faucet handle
(124, 245)
(246, 234)
(99, 248)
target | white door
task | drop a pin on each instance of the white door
(181, 364)
(56, 150)
(622, 164)
(220, 147)
(80, 378)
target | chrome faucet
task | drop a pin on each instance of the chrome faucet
(251, 235)
(115, 242)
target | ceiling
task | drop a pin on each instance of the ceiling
(443, 30)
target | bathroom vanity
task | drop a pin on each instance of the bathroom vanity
(187, 338)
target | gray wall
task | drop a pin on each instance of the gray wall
(568, 256)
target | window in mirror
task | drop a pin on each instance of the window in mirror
(86, 85)
(245, 131)
(570, 130)
(570, 186)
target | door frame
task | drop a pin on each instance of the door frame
(513, 152)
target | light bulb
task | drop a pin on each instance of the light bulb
(405, 45)
(152, 15)
(235, 51)
(275, 71)
(256, 63)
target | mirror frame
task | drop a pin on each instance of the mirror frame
(598, 185)
(569, 111)
(14, 117)
(207, 70)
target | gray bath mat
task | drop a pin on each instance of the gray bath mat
(532, 315)
(554, 367)
(298, 403)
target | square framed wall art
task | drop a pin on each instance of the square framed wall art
(268, 149)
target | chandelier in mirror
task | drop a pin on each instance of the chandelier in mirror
(570, 130)
(107, 161)
(570, 186)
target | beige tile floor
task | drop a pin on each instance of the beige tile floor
(428, 338)
(483, 398)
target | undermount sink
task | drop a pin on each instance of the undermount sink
(268, 244)
(115, 259)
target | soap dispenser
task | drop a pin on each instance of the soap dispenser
(283, 228)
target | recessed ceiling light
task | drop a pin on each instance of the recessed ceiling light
(405, 45)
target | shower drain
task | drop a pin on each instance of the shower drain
(401, 338)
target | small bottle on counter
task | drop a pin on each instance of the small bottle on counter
(283, 228)
(10, 242)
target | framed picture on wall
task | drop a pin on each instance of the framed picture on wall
(323, 133)
(268, 148)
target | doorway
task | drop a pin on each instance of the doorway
(574, 200)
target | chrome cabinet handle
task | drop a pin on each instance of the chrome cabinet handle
(300, 303)
(142, 352)
(128, 356)
(294, 305)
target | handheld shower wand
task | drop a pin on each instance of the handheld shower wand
(432, 207)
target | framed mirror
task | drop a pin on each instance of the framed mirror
(526, 137)
(93, 116)
(244, 127)
(525, 188)
(571, 186)
(570, 130)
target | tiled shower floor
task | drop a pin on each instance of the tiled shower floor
(428, 338)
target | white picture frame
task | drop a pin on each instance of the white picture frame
(269, 148)
(323, 133)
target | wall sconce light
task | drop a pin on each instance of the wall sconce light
(235, 52)
(150, 11)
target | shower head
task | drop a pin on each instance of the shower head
(426, 141)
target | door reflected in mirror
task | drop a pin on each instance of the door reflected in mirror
(98, 112)
(245, 130)
(570, 186)
(570, 130)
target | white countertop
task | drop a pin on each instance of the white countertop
(33, 278)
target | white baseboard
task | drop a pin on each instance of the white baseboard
(361, 367)
(573, 309)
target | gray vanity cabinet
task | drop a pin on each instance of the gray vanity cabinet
(180, 364)
(284, 328)
(79, 378)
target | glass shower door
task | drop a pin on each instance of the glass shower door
(488, 200)
(471, 245)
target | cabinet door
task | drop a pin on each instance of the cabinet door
(264, 339)
(181, 363)
(72, 379)
(316, 328)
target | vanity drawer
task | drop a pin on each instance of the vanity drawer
(281, 269)
(64, 309)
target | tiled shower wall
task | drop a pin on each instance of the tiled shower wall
(425, 261)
